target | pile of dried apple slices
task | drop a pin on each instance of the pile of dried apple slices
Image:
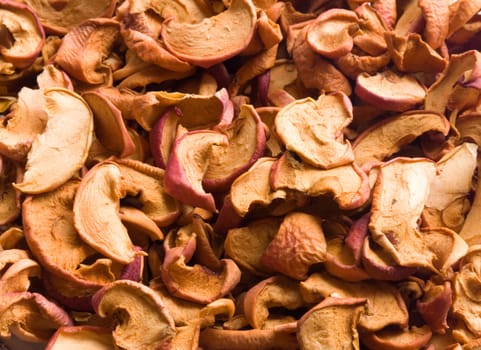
(240, 174)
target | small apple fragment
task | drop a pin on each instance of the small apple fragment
(347, 184)
(313, 129)
(435, 305)
(333, 313)
(246, 143)
(141, 319)
(396, 210)
(86, 47)
(389, 135)
(62, 148)
(187, 165)
(26, 34)
(390, 91)
(273, 292)
(81, 337)
(298, 244)
(214, 39)
(30, 317)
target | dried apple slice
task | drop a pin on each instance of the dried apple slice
(347, 184)
(331, 33)
(435, 305)
(214, 39)
(135, 308)
(30, 317)
(412, 338)
(81, 337)
(390, 91)
(340, 262)
(99, 225)
(59, 17)
(256, 179)
(384, 307)
(110, 127)
(62, 148)
(76, 54)
(313, 129)
(396, 210)
(23, 124)
(388, 136)
(273, 292)
(187, 166)
(10, 205)
(246, 143)
(341, 314)
(447, 245)
(245, 245)
(162, 136)
(298, 244)
(26, 34)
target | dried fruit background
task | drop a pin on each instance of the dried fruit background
(243, 174)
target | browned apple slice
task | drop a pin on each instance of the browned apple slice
(390, 91)
(59, 17)
(396, 209)
(273, 292)
(135, 308)
(110, 127)
(398, 339)
(245, 245)
(313, 129)
(246, 143)
(24, 35)
(214, 39)
(341, 314)
(187, 165)
(62, 148)
(256, 179)
(330, 35)
(81, 337)
(85, 48)
(298, 244)
(347, 184)
(30, 317)
(388, 136)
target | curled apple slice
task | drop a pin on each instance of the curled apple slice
(214, 39)
(187, 165)
(313, 129)
(341, 314)
(247, 142)
(388, 136)
(61, 150)
(141, 318)
(390, 91)
(347, 184)
(396, 210)
(22, 25)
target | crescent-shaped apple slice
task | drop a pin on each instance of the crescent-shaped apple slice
(61, 150)
(214, 39)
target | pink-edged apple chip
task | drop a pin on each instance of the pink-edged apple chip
(390, 91)
(247, 143)
(313, 129)
(411, 338)
(435, 305)
(187, 165)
